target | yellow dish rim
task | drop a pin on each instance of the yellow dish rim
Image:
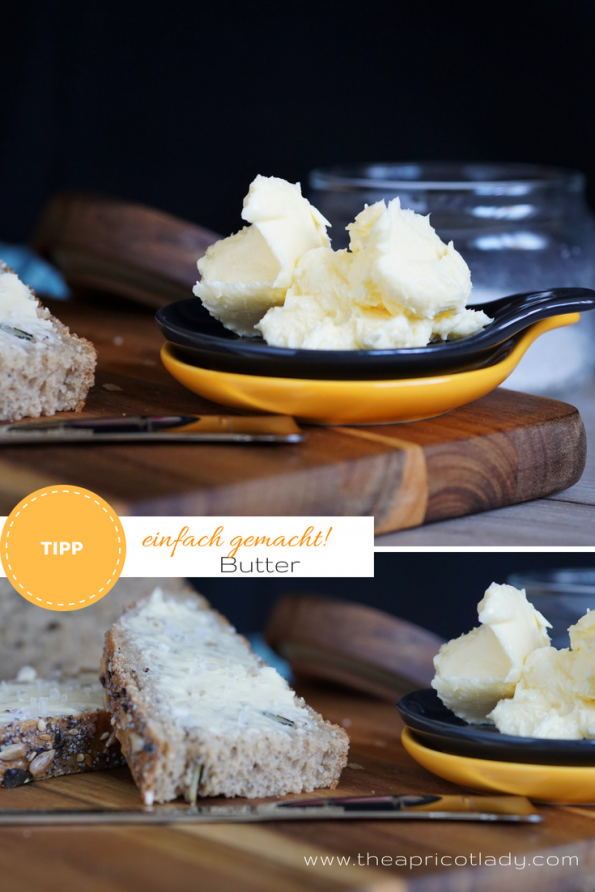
(543, 783)
(330, 401)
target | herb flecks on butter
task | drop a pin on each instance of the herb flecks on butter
(205, 675)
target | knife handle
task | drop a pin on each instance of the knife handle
(502, 805)
(352, 803)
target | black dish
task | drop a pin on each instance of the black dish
(439, 728)
(203, 341)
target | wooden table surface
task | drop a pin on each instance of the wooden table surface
(247, 858)
(564, 518)
(501, 449)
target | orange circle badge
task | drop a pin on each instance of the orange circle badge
(63, 548)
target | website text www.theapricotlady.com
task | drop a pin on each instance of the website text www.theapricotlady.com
(517, 862)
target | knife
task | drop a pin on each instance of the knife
(161, 428)
(443, 808)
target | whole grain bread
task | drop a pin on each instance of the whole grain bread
(186, 694)
(64, 642)
(44, 372)
(51, 739)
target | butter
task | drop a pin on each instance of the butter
(204, 675)
(401, 263)
(582, 634)
(37, 698)
(398, 285)
(555, 697)
(244, 275)
(480, 668)
(19, 307)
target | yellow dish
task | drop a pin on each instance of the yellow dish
(354, 402)
(542, 783)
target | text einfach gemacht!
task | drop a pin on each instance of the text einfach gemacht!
(255, 546)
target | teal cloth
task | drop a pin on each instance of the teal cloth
(34, 271)
(261, 648)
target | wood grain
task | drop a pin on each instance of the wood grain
(122, 248)
(242, 858)
(563, 518)
(352, 644)
(502, 449)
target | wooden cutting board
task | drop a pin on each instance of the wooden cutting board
(505, 448)
(121, 248)
(272, 857)
(352, 644)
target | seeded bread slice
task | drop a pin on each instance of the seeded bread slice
(54, 727)
(44, 368)
(64, 643)
(199, 714)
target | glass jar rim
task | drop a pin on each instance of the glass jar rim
(500, 178)
(558, 581)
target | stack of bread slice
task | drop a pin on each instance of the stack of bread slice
(188, 704)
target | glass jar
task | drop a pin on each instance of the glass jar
(520, 227)
(563, 596)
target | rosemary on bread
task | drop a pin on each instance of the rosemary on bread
(199, 714)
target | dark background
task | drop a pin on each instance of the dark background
(180, 104)
(438, 591)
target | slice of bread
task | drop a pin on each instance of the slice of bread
(50, 727)
(44, 368)
(198, 713)
(66, 642)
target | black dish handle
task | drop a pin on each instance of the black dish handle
(516, 312)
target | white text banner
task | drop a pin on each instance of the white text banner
(236, 547)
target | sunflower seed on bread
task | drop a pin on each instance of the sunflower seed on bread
(45, 723)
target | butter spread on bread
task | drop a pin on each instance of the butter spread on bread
(44, 368)
(198, 713)
(50, 727)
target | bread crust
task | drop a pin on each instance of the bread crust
(151, 749)
(72, 384)
(59, 741)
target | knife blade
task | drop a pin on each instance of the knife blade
(515, 809)
(152, 428)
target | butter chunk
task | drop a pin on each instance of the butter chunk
(555, 697)
(582, 634)
(398, 285)
(246, 274)
(480, 668)
(320, 312)
(400, 258)
(19, 308)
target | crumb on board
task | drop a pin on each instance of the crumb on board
(111, 387)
